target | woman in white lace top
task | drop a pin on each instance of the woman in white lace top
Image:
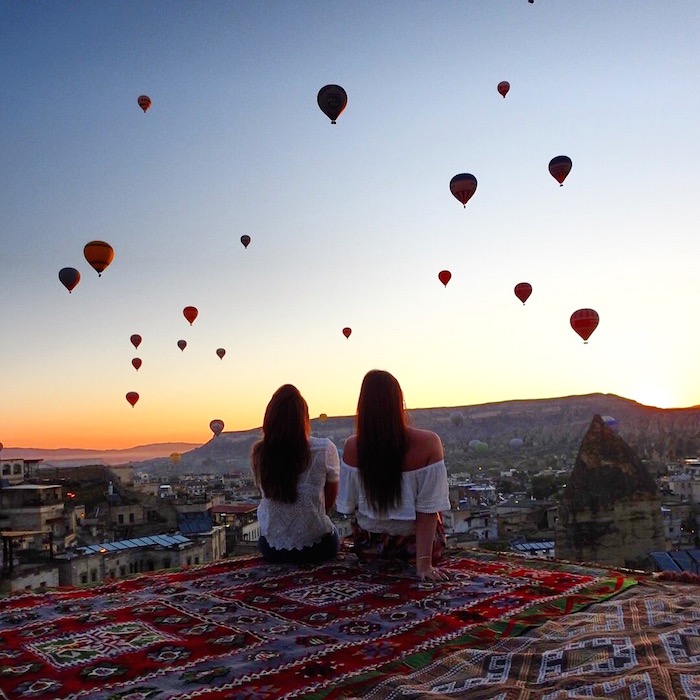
(393, 480)
(298, 479)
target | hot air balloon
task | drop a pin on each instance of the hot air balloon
(216, 426)
(190, 313)
(323, 417)
(463, 187)
(559, 168)
(135, 340)
(137, 363)
(175, 457)
(457, 419)
(473, 444)
(481, 447)
(69, 277)
(503, 87)
(99, 254)
(522, 291)
(0, 447)
(516, 443)
(245, 240)
(584, 322)
(144, 102)
(347, 332)
(332, 100)
(221, 352)
(132, 397)
(182, 344)
(444, 276)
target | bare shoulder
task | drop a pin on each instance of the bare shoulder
(350, 451)
(424, 438)
(424, 448)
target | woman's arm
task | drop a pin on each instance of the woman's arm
(426, 523)
(330, 493)
(425, 536)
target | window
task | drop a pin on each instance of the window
(166, 563)
(196, 560)
(131, 517)
(83, 578)
(5, 469)
(16, 468)
(122, 570)
(121, 518)
(93, 575)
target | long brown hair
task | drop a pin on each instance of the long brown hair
(381, 438)
(283, 453)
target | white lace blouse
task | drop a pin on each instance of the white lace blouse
(301, 524)
(423, 490)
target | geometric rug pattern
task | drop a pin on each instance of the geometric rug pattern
(242, 628)
(641, 645)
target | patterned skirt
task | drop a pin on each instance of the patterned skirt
(370, 546)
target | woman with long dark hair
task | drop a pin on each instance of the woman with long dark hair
(297, 475)
(393, 480)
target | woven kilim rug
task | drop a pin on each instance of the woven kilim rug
(245, 629)
(642, 645)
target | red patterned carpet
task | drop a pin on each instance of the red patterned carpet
(245, 629)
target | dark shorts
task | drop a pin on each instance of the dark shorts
(380, 545)
(327, 548)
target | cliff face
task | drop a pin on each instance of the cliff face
(610, 510)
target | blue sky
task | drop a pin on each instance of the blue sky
(350, 224)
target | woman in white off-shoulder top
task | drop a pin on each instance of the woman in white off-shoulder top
(393, 481)
(298, 479)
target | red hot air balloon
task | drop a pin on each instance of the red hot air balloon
(144, 102)
(137, 363)
(216, 426)
(332, 100)
(221, 352)
(69, 278)
(135, 340)
(190, 313)
(503, 87)
(463, 187)
(182, 344)
(559, 168)
(99, 254)
(444, 276)
(132, 397)
(347, 332)
(584, 322)
(245, 240)
(523, 291)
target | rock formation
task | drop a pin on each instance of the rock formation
(610, 511)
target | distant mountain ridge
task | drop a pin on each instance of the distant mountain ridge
(139, 453)
(546, 426)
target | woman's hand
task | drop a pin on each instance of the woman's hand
(432, 573)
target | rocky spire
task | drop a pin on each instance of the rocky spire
(610, 511)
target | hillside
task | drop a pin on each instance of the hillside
(551, 430)
(131, 454)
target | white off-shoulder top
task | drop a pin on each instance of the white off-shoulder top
(423, 490)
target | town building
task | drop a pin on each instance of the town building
(99, 563)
